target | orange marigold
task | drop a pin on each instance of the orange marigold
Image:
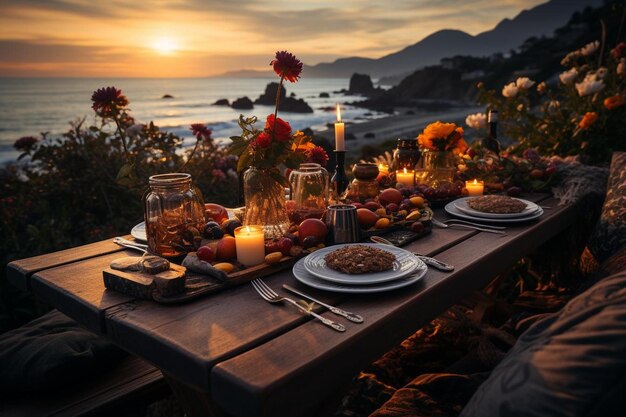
(440, 136)
(588, 119)
(613, 102)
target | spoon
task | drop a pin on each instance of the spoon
(442, 266)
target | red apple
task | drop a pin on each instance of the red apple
(390, 195)
(312, 227)
(216, 212)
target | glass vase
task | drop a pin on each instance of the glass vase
(265, 202)
(308, 192)
(436, 167)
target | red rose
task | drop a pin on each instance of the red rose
(280, 130)
(263, 140)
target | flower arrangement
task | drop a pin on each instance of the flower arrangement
(440, 136)
(582, 113)
(276, 144)
(263, 153)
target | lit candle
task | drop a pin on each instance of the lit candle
(339, 130)
(405, 177)
(250, 242)
(475, 187)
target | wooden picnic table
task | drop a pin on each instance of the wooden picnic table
(232, 353)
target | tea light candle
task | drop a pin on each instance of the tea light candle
(405, 177)
(250, 242)
(339, 132)
(475, 187)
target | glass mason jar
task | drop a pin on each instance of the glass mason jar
(406, 155)
(174, 214)
(436, 167)
(265, 202)
(308, 192)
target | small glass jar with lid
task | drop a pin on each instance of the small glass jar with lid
(174, 214)
(406, 155)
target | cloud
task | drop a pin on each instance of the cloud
(217, 36)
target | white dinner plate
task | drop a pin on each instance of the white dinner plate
(405, 264)
(453, 211)
(139, 232)
(302, 275)
(531, 208)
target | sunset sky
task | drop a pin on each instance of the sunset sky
(177, 38)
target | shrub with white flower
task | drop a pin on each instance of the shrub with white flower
(510, 90)
(583, 113)
(590, 85)
(568, 76)
(524, 83)
(476, 121)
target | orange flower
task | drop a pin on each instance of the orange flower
(441, 137)
(613, 102)
(588, 119)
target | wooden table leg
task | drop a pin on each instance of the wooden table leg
(195, 403)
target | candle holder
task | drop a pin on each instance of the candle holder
(340, 179)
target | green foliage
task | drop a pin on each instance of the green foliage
(87, 186)
(577, 114)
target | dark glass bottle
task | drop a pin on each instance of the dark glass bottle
(339, 181)
(491, 142)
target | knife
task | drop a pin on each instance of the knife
(350, 316)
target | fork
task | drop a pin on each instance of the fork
(272, 297)
(467, 226)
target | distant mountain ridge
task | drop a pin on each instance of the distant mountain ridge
(539, 21)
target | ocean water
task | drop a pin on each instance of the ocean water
(29, 106)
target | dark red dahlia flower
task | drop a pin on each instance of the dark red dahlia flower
(108, 101)
(287, 65)
(263, 141)
(317, 155)
(619, 50)
(25, 143)
(280, 130)
(201, 131)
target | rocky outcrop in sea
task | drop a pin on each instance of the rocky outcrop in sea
(287, 104)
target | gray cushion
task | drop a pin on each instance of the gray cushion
(50, 352)
(609, 235)
(572, 363)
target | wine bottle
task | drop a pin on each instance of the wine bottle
(491, 142)
(339, 181)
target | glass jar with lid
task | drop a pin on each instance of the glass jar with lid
(308, 192)
(174, 214)
(406, 155)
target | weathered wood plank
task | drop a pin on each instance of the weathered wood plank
(77, 289)
(188, 341)
(19, 272)
(286, 375)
